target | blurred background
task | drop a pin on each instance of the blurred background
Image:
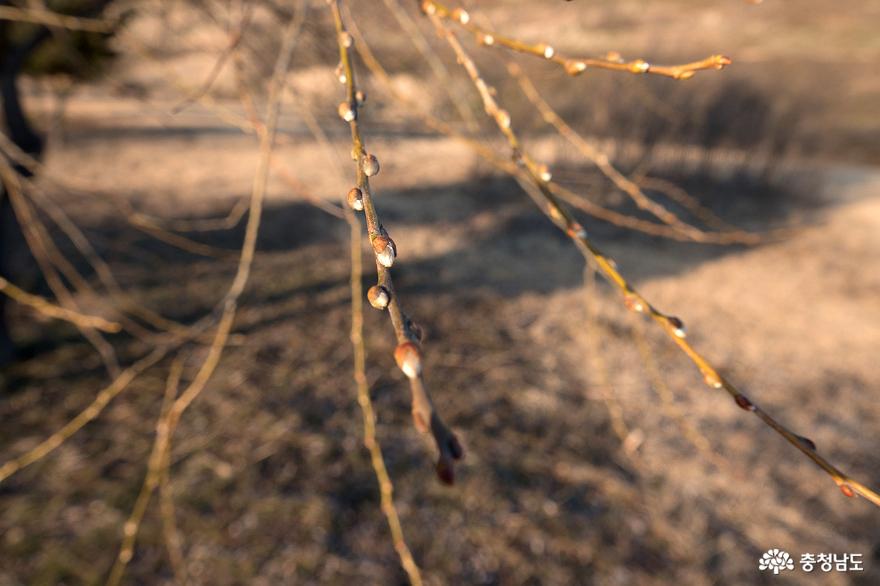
(595, 453)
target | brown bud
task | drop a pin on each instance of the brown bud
(847, 491)
(408, 359)
(378, 296)
(385, 250)
(640, 66)
(743, 403)
(356, 199)
(573, 67)
(360, 97)
(677, 326)
(634, 303)
(370, 165)
(346, 112)
(807, 442)
(711, 378)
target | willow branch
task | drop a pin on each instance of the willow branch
(671, 325)
(383, 295)
(572, 65)
(621, 181)
(54, 311)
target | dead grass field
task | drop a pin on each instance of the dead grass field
(270, 479)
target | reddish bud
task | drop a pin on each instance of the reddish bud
(573, 67)
(385, 250)
(346, 112)
(634, 303)
(378, 296)
(743, 403)
(356, 199)
(847, 491)
(408, 359)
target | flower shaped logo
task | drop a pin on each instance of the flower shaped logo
(776, 560)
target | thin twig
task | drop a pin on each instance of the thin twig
(54, 311)
(408, 353)
(572, 65)
(671, 325)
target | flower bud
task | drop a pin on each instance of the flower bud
(461, 15)
(807, 442)
(634, 303)
(385, 250)
(360, 97)
(547, 51)
(743, 403)
(346, 112)
(573, 67)
(370, 165)
(847, 491)
(408, 359)
(677, 326)
(356, 199)
(345, 39)
(378, 296)
(712, 379)
(544, 173)
(640, 66)
(503, 118)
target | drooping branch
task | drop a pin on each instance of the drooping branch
(383, 295)
(671, 325)
(572, 65)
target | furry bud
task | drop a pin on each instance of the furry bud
(370, 165)
(408, 359)
(677, 326)
(385, 250)
(346, 112)
(356, 199)
(378, 296)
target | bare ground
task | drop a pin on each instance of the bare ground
(270, 480)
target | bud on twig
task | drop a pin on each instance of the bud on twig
(346, 112)
(356, 199)
(378, 296)
(677, 326)
(385, 250)
(409, 359)
(370, 165)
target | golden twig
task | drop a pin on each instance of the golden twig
(54, 311)
(671, 325)
(242, 275)
(572, 65)
(621, 181)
